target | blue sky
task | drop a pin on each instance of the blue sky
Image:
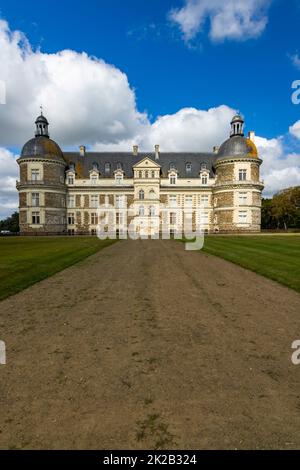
(168, 72)
(254, 76)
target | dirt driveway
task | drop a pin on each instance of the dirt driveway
(145, 345)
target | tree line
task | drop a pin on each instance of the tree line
(282, 211)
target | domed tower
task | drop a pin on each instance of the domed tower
(237, 192)
(42, 189)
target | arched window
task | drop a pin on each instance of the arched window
(141, 195)
(119, 166)
(152, 194)
(172, 166)
(107, 168)
(95, 166)
(203, 166)
(141, 211)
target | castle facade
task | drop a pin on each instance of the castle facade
(61, 192)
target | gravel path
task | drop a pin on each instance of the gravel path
(145, 345)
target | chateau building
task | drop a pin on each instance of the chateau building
(60, 192)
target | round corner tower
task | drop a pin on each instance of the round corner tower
(237, 192)
(42, 189)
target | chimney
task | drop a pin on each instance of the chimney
(156, 152)
(82, 150)
(251, 135)
(135, 150)
(216, 149)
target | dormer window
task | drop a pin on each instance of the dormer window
(204, 179)
(107, 168)
(172, 166)
(119, 166)
(188, 167)
(119, 177)
(173, 179)
(203, 166)
(70, 179)
(94, 179)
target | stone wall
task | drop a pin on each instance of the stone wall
(53, 200)
(53, 173)
(254, 172)
(225, 172)
(224, 199)
(23, 199)
(23, 173)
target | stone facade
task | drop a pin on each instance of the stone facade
(61, 192)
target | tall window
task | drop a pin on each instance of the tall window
(35, 174)
(141, 195)
(146, 174)
(94, 218)
(242, 217)
(141, 211)
(120, 199)
(242, 198)
(35, 198)
(35, 218)
(173, 179)
(173, 200)
(151, 211)
(152, 174)
(71, 201)
(71, 179)
(204, 199)
(172, 218)
(94, 200)
(204, 218)
(140, 174)
(71, 219)
(242, 175)
(189, 200)
(204, 179)
(107, 168)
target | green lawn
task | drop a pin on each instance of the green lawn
(26, 260)
(276, 257)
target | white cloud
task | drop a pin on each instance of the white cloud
(9, 172)
(279, 170)
(84, 98)
(230, 19)
(295, 60)
(295, 130)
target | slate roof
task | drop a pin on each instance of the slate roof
(84, 164)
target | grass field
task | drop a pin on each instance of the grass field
(26, 260)
(276, 257)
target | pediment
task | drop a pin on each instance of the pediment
(146, 163)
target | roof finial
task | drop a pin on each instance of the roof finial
(41, 108)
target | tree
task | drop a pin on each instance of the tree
(11, 223)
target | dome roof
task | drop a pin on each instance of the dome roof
(41, 119)
(42, 146)
(238, 146)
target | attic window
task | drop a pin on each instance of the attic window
(203, 166)
(119, 166)
(107, 168)
(188, 167)
(172, 166)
